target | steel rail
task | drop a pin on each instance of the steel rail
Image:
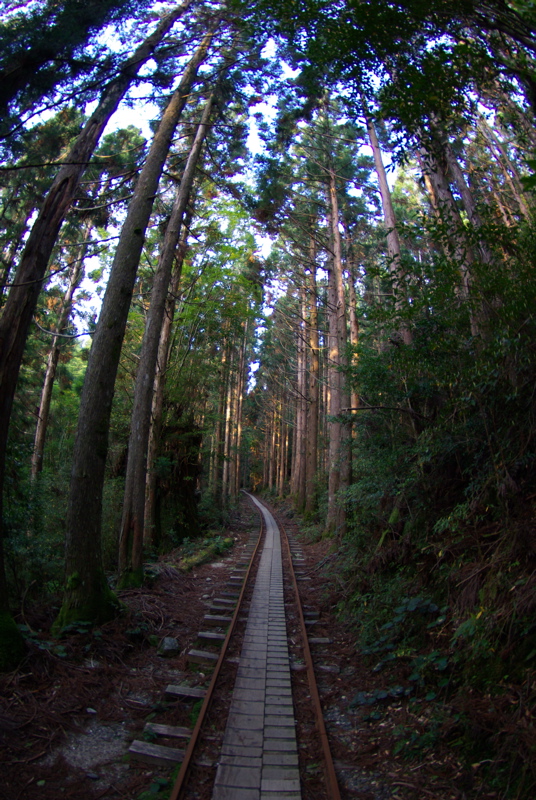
(332, 786)
(180, 783)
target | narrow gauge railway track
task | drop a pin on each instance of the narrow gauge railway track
(244, 744)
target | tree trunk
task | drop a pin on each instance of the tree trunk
(333, 406)
(282, 444)
(15, 245)
(507, 168)
(132, 536)
(354, 338)
(467, 199)
(227, 427)
(240, 407)
(454, 244)
(273, 474)
(339, 463)
(311, 465)
(353, 321)
(393, 240)
(86, 593)
(301, 406)
(53, 358)
(157, 405)
(215, 482)
(233, 402)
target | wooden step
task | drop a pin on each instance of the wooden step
(171, 731)
(212, 636)
(202, 657)
(193, 692)
(157, 754)
(221, 611)
(216, 620)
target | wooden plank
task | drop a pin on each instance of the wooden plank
(157, 754)
(171, 731)
(185, 691)
(202, 657)
(216, 620)
(211, 636)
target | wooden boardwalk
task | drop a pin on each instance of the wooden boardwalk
(259, 759)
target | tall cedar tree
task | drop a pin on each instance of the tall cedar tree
(86, 590)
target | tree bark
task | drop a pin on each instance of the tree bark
(132, 536)
(157, 405)
(53, 358)
(352, 320)
(215, 483)
(227, 425)
(467, 199)
(393, 240)
(242, 375)
(273, 473)
(339, 462)
(301, 404)
(86, 591)
(311, 464)
(507, 168)
(454, 244)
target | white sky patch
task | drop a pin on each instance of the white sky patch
(264, 244)
(288, 72)
(267, 110)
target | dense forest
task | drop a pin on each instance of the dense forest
(305, 266)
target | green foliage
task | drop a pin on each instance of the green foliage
(100, 607)
(112, 501)
(159, 786)
(201, 552)
(46, 44)
(194, 713)
(413, 743)
(34, 535)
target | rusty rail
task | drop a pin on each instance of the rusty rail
(332, 787)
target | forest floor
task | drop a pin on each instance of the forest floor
(71, 710)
